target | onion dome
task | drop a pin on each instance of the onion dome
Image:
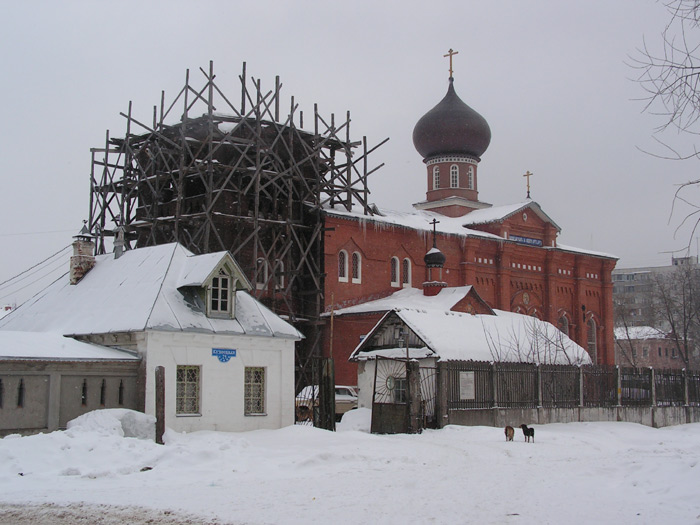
(434, 258)
(451, 128)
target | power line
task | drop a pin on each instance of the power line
(33, 233)
(37, 264)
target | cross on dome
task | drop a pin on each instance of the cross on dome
(528, 175)
(450, 54)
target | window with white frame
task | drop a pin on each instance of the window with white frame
(220, 294)
(454, 176)
(254, 391)
(394, 269)
(343, 266)
(470, 178)
(356, 268)
(261, 274)
(406, 274)
(187, 391)
(436, 177)
(278, 274)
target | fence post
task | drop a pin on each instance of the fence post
(326, 395)
(414, 420)
(652, 379)
(580, 386)
(618, 385)
(160, 404)
(686, 394)
(494, 381)
(444, 378)
(538, 374)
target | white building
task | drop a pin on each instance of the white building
(229, 361)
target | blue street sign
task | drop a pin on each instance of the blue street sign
(223, 354)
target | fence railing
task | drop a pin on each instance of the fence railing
(475, 385)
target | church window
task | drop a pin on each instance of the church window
(187, 389)
(343, 266)
(220, 294)
(470, 178)
(592, 340)
(454, 176)
(394, 272)
(278, 274)
(261, 274)
(356, 268)
(406, 273)
(563, 325)
(436, 177)
(254, 391)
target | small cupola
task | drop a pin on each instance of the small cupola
(434, 261)
(83, 258)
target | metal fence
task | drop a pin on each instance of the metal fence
(475, 385)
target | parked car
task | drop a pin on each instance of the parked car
(307, 402)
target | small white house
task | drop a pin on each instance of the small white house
(229, 361)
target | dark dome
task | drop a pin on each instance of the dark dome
(434, 258)
(451, 128)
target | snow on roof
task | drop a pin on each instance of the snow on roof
(136, 292)
(506, 336)
(55, 347)
(420, 220)
(639, 332)
(410, 298)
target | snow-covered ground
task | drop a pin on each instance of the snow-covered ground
(573, 473)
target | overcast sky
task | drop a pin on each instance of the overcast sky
(550, 77)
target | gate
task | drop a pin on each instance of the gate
(315, 403)
(391, 398)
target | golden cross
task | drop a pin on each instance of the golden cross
(528, 175)
(450, 53)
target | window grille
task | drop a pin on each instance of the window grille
(343, 266)
(406, 273)
(394, 271)
(454, 176)
(187, 391)
(356, 268)
(254, 390)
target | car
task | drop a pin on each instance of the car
(307, 402)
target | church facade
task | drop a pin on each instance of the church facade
(509, 254)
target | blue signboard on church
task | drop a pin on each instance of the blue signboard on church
(526, 240)
(223, 354)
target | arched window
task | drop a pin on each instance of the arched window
(592, 340)
(261, 274)
(343, 266)
(470, 178)
(454, 176)
(278, 274)
(356, 268)
(436, 177)
(563, 325)
(406, 277)
(394, 270)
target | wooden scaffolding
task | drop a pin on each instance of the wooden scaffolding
(240, 179)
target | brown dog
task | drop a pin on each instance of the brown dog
(509, 433)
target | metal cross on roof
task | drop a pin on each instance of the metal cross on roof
(434, 222)
(528, 175)
(450, 53)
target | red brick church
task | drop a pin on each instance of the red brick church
(509, 254)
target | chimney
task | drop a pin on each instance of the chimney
(83, 258)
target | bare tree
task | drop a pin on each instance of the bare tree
(670, 75)
(676, 299)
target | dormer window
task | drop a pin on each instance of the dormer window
(220, 296)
